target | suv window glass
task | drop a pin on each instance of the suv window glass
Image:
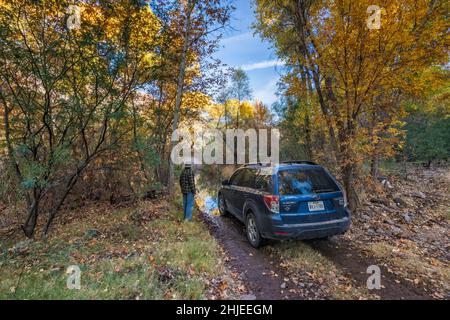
(248, 179)
(301, 181)
(234, 180)
(263, 182)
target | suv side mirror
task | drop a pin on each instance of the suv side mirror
(226, 182)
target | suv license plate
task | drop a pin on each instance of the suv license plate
(316, 206)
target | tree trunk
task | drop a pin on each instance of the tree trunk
(33, 206)
(180, 88)
(308, 138)
(348, 179)
(136, 144)
(309, 98)
(374, 166)
(30, 224)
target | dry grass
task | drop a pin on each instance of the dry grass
(144, 252)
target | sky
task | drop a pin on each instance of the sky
(241, 48)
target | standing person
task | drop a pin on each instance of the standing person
(187, 184)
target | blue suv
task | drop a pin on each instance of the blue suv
(297, 199)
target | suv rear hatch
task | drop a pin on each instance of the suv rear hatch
(309, 195)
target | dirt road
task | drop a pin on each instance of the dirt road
(262, 275)
(355, 264)
(266, 278)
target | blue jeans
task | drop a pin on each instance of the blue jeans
(188, 205)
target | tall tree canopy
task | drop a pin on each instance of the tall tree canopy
(359, 74)
(86, 88)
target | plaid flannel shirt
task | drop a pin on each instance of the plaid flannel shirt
(187, 181)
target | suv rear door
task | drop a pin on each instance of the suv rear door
(245, 188)
(230, 192)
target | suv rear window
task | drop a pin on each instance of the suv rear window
(305, 181)
(263, 182)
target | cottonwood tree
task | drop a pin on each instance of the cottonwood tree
(354, 68)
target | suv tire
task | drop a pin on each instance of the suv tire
(252, 231)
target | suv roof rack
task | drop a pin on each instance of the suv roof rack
(300, 162)
(283, 162)
(257, 164)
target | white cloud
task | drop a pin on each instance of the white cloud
(262, 65)
(267, 93)
(237, 38)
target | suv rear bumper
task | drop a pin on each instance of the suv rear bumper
(309, 230)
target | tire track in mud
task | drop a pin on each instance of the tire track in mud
(354, 264)
(260, 273)
(265, 279)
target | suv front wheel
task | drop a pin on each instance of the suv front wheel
(253, 235)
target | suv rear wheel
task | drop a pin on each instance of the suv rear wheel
(252, 231)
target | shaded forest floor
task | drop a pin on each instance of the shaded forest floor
(407, 228)
(145, 251)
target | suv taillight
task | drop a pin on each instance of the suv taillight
(272, 203)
